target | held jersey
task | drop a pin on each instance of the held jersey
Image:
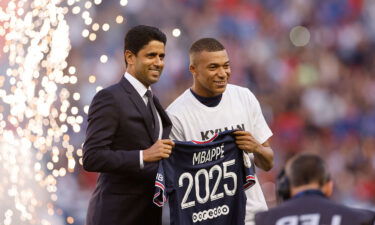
(205, 182)
(238, 108)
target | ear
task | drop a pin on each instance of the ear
(192, 70)
(129, 57)
(327, 188)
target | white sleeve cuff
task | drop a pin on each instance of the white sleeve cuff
(141, 165)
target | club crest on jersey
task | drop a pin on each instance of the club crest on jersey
(205, 135)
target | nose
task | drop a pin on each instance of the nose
(222, 73)
(159, 62)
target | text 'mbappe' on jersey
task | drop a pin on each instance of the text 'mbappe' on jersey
(205, 182)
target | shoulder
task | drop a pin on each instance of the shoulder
(290, 207)
(239, 90)
(356, 215)
(236, 88)
(180, 102)
(323, 206)
(108, 96)
(272, 213)
(116, 89)
(368, 215)
(265, 217)
(104, 94)
(110, 90)
(243, 94)
(361, 214)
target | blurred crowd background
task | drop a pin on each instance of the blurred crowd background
(316, 86)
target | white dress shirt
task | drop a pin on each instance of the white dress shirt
(141, 89)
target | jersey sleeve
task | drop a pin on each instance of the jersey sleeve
(177, 131)
(160, 182)
(249, 172)
(261, 130)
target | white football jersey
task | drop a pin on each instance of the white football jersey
(238, 108)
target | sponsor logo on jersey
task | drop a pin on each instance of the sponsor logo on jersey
(210, 213)
(206, 135)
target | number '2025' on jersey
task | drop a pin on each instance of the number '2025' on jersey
(205, 182)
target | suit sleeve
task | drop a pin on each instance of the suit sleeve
(103, 120)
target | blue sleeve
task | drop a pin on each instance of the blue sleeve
(249, 173)
(160, 194)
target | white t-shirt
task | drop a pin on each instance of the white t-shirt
(238, 108)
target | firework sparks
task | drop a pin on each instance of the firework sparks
(35, 112)
(37, 116)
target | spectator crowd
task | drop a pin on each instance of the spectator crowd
(319, 97)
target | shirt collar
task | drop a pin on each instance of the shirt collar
(315, 192)
(208, 101)
(139, 87)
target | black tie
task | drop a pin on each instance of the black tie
(151, 106)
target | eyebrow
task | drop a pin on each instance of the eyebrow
(218, 64)
(155, 54)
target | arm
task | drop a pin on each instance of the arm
(103, 120)
(263, 153)
(257, 142)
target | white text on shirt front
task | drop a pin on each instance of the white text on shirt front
(209, 155)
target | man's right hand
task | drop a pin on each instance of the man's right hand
(161, 149)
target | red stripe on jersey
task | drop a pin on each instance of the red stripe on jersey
(158, 184)
(250, 177)
(205, 142)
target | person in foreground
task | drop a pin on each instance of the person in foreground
(124, 142)
(212, 105)
(310, 186)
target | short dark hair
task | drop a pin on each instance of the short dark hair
(305, 169)
(206, 44)
(141, 35)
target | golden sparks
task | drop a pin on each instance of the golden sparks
(39, 113)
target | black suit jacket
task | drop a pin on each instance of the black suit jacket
(119, 125)
(311, 207)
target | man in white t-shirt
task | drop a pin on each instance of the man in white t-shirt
(212, 105)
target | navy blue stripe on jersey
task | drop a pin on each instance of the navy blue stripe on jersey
(205, 182)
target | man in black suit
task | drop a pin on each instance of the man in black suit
(310, 185)
(126, 135)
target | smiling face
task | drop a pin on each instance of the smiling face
(211, 72)
(148, 63)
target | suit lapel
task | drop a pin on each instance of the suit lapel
(140, 105)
